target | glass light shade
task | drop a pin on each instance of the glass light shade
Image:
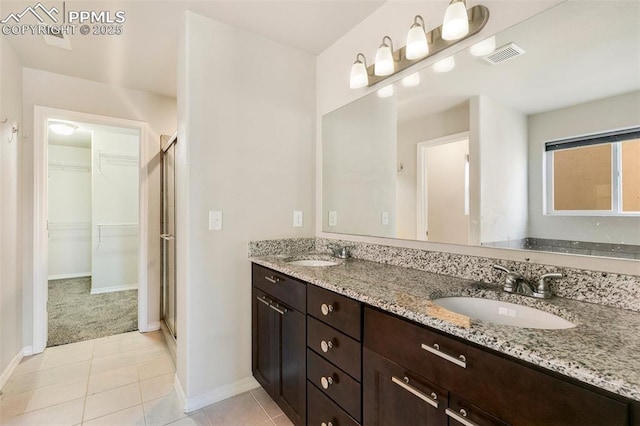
(359, 76)
(64, 129)
(445, 65)
(385, 92)
(484, 47)
(384, 61)
(411, 80)
(417, 46)
(456, 21)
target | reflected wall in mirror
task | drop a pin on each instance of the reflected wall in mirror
(463, 156)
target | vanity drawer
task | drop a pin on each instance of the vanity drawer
(341, 349)
(321, 410)
(282, 287)
(336, 310)
(335, 383)
(460, 410)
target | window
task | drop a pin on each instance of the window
(594, 175)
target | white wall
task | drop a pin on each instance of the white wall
(11, 341)
(359, 175)
(74, 94)
(593, 117)
(501, 139)
(69, 212)
(410, 133)
(245, 146)
(114, 201)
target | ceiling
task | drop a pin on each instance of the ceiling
(144, 56)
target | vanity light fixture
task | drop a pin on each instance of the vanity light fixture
(385, 92)
(484, 47)
(385, 64)
(444, 65)
(456, 21)
(359, 75)
(62, 128)
(417, 46)
(411, 80)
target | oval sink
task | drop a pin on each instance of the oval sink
(503, 313)
(312, 262)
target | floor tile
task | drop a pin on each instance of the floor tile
(113, 347)
(31, 363)
(265, 401)
(64, 374)
(111, 401)
(112, 362)
(13, 404)
(195, 419)
(239, 410)
(282, 420)
(18, 383)
(68, 413)
(56, 394)
(112, 379)
(72, 346)
(148, 353)
(155, 367)
(157, 387)
(163, 410)
(133, 416)
(58, 358)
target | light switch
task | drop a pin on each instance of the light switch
(385, 218)
(215, 220)
(333, 218)
(297, 219)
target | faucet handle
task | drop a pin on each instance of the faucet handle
(543, 291)
(501, 268)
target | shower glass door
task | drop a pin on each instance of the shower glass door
(168, 233)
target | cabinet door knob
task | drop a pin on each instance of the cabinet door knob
(326, 345)
(326, 382)
(326, 309)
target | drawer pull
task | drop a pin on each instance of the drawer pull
(404, 384)
(326, 424)
(460, 418)
(326, 345)
(460, 360)
(326, 382)
(260, 299)
(272, 279)
(280, 311)
(326, 309)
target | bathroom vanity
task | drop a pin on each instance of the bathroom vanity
(363, 350)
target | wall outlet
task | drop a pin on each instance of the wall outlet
(215, 220)
(385, 218)
(297, 219)
(333, 218)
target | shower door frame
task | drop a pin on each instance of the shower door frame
(166, 145)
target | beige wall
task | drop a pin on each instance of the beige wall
(245, 146)
(11, 285)
(68, 93)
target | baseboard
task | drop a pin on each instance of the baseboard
(6, 374)
(114, 288)
(151, 326)
(27, 351)
(67, 276)
(215, 395)
(180, 393)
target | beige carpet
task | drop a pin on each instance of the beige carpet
(75, 314)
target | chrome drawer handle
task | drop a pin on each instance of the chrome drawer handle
(272, 279)
(326, 309)
(460, 418)
(326, 424)
(406, 386)
(326, 345)
(263, 301)
(280, 311)
(461, 360)
(326, 382)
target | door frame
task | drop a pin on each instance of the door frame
(40, 235)
(421, 184)
(166, 143)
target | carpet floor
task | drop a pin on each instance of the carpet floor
(75, 314)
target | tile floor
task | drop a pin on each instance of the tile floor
(118, 380)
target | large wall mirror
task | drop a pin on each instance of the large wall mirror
(540, 151)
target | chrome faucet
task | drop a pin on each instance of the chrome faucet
(517, 284)
(341, 252)
(543, 291)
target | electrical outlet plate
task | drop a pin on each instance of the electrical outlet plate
(333, 218)
(385, 218)
(215, 220)
(297, 219)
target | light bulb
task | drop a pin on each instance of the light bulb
(417, 46)
(445, 65)
(456, 21)
(384, 64)
(359, 76)
(484, 47)
(385, 92)
(61, 128)
(411, 80)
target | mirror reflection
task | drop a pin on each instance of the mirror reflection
(529, 140)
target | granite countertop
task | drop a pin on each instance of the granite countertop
(602, 350)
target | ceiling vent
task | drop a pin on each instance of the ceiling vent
(504, 53)
(57, 39)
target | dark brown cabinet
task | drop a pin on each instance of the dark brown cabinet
(279, 340)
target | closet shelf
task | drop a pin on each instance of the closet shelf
(69, 166)
(116, 159)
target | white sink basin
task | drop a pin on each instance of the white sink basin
(503, 313)
(312, 262)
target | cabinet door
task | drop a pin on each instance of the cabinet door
(263, 336)
(394, 396)
(290, 392)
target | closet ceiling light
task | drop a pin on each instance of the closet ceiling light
(359, 75)
(417, 45)
(456, 21)
(61, 128)
(384, 64)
